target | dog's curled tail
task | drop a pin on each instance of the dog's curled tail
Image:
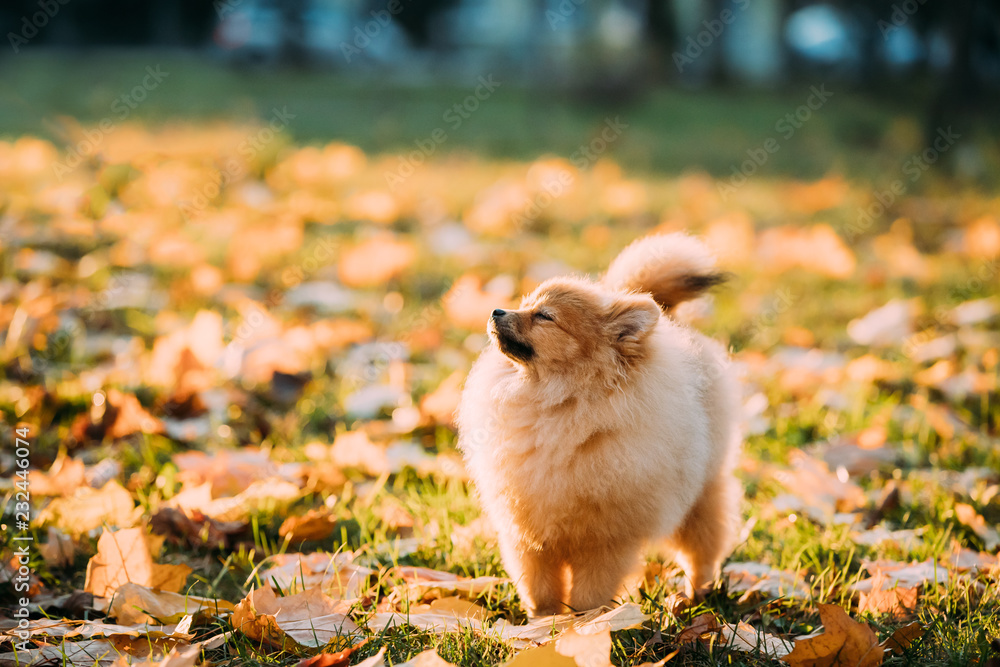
(672, 268)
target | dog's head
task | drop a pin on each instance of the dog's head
(569, 324)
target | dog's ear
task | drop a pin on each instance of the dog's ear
(630, 319)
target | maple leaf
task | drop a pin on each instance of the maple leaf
(844, 643)
(126, 556)
(307, 619)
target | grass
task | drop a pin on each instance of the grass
(670, 130)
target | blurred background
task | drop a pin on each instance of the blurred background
(699, 78)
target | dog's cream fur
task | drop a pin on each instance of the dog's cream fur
(594, 425)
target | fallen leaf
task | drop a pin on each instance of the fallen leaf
(468, 303)
(899, 603)
(426, 659)
(193, 528)
(905, 575)
(423, 583)
(126, 556)
(903, 637)
(338, 659)
(698, 627)
(844, 643)
(63, 477)
(134, 604)
(59, 550)
(748, 639)
(968, 515)
(309, 619)
(376, 261)
(335, 574)
(316, 524)
(812, 489)
(571, 649)
(888, 325)
(443, 615)
(749, 578)
(88, 509)
(541, 656)
(438, 407)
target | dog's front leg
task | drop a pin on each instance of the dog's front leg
(540, 577)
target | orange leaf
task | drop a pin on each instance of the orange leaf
(903, 637)
(844, 643)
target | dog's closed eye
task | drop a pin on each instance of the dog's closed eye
(544, 316)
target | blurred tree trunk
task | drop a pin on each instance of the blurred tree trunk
(293, 32)
(958, 91)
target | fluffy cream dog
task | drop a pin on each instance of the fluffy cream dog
(595, 424)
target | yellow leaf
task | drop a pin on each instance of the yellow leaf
(426, 659)
(133, 604)
(127, 556)
(308, 619)
(88, 509)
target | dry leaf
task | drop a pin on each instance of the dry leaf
(748, 639)
(133, 604)
(338, 659)
(88, 509)
(701, 625)
(335, 574)
(426, 659)
(899, 603)
(968, 515)
(903, 637)
(423, 583)
(749, 578)
(815, 491)
(541, 656)
(844, 643)
(444, 615)
(905, 575)
(126, 556)
(63, 477)
(571, 649)
(60, 550)
(376, 261)
(316, 524)
(194, 528)
(468, 303)
(309, 619)
(889, 325)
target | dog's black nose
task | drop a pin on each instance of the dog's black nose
(498, 313)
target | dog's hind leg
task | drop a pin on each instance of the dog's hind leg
(706, 536)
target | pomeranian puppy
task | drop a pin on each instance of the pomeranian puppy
(596, 425)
